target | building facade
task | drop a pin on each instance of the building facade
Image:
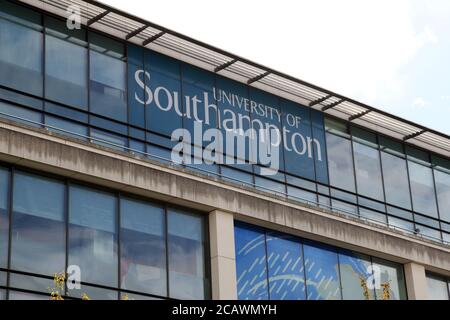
(355, 205)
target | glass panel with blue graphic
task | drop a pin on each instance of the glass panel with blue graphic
(277, 266)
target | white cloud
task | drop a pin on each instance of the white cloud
(357, 48)
(420, 102)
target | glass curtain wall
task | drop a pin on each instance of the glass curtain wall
(277, 266)
(117, 242)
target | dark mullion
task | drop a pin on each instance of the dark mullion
(410, 189)
(118, 242)
(354, 170)
(166, 238)
(339, 273)
(304, 269)
(207, 257)
(437, 200)
(10, 217)
(88, 79)
(44, 60)
(66, 215)
(267, 263)
(382, 178)
(283, 153)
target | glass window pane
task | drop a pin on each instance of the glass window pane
(400, 213)
(430, 233)
(92, 235)
(368, 171)
(364, 136)
(133, 296)
(236, 176)
(337, 126)
(442, 180)
(21, 99)
(395, 177)
(186, 256)
(251, 271)
(2, 278)
(66, 112)
(66, 65)
(163, 114)
(23, 113)
(437, 288)
(271, 186)
(391, 273)
(340, 163)
(299, 160)
(373, 216)
(371, 204)
(422, 189)
(344, 207)
(142, 247)
(322, 277)
(107, 78)
(324, 202)
(4, 217)
(286, 270)
(38, 224)
(93, 293)
(31, 283)
(2, 294)
(72, 129)
(301, 195)
(17, 295)
(20, 55)
(400, 224)
(109, 140)
(356, 276)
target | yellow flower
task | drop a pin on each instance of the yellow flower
(85, 297)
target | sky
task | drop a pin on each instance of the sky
(392, 55)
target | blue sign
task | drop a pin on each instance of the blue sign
(180, 102)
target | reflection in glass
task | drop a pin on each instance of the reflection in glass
(395, 178)
(368, 171)
(400, 223)
(92, 235)
(186, 255)
(286, 270)
(17, 295)
(391, 273)
(143, 255)
(251, 271)
(93, 293)
(66, 65)
(19, 112)
(20, 56)
(437, 288)
(30, 283)
(38, 224)
(107, 78)
(4, 218)
(79, 131)
(355, 268)
(340, 163)
(322, 277)
(442, 180)
(165, 73)
(422, 189)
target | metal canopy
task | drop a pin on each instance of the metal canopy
(104, 18)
